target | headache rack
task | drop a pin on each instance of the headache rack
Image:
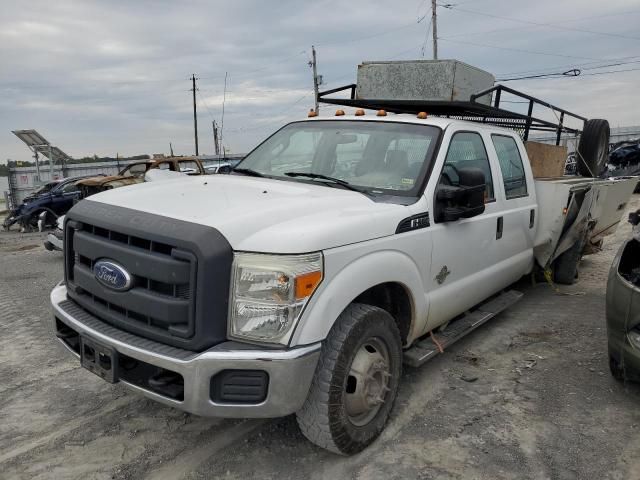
(471, 110)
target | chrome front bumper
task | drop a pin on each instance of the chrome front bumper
(290, 371)
(55, 242)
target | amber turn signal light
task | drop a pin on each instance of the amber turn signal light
(307, 283)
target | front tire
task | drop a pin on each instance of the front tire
(355, 383)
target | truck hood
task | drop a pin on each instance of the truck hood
(265, 215)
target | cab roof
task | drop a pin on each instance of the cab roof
(441, 122)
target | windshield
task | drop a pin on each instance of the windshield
(381, 157)
(134, 170)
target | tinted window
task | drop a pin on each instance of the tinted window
(515, 181)
(466, 150)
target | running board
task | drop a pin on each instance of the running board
(425, 349)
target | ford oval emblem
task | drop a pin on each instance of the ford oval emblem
(112, 275)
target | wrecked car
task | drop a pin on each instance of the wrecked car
(623, 308)
(53, 199)
(134, 173)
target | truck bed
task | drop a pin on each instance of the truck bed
(567, 204)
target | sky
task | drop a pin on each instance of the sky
(113, 77)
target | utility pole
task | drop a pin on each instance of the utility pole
(51, 164)
(195, 113)
(316, 83)
(224, 101)
(434, 24)
(216, 144)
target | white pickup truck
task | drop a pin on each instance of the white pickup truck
(339, 248)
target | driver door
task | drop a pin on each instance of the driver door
(465, 251)
(63, 199)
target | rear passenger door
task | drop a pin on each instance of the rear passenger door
(466, 252)
(517, 195)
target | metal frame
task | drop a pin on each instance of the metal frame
(471, 110)
(39, 145)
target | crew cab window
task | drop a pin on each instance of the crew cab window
(515, 181)
(467, 150)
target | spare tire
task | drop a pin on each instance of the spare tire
(593, 149)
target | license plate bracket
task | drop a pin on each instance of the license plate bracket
(99, 358)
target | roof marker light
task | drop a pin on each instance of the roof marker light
(422, 115)
(381, 113)
(339, 113)
(312, 113)
(359, 112)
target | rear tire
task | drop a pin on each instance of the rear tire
(565, 267)
(593, 149)
(355, 383)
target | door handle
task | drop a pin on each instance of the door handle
(499, 228)
(532, 218)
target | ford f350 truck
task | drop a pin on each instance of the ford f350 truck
(338, 249)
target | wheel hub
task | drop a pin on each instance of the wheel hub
(368, 382)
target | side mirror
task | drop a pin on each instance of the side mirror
(224, 169)
(465, 200)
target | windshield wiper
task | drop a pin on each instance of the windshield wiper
(337, 181)
(248, 171)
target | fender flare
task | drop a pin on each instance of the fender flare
(340, 288)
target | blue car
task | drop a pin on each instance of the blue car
(55, 198)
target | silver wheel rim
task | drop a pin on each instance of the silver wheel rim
(368, 382)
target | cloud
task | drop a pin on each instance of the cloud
(105, 77)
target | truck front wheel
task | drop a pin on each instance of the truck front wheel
(355, 383)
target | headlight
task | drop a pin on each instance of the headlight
(269, 292)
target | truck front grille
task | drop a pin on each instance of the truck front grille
(168, 260)
(160, 303)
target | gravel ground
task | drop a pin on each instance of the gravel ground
(542, 405)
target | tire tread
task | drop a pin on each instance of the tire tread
(313, 418)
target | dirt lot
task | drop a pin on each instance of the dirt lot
(528, 395)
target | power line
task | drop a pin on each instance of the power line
(552, 76)
(276, 114)
(266, 67)
(569, 73)
(539, 24)
(583, 66)
(550, 24)
(610, 71)
(519, 50)
(529, 75)
(205, 103)
(367, 37)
